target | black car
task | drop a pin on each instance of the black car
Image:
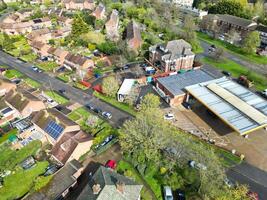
(90, 107)
(180, 195)
(226, 73)
(97, 110)
(62, 91)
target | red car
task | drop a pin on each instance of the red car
(253, 195)
(111, 164)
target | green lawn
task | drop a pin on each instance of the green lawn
(31, 57)
(74, 116)
(227, 158)
(64, 77)
(128, 170)
(233, 49)
(56, 97)
(236, 70)
(122, 106)
(47, 66)
(32, 83)
(7, 135)
(12, 73)
(10, 158)
(19, 183)
(80, 86)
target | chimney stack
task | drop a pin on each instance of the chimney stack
(96, 188)
(120, 186)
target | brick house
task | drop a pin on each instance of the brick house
(41, 49)
(57, 54)
(6, 86)
(53, 124)
(78, 62)
(112, 26)
(222, 25)
(133, 36)
(6, 113)
(99, 12)
(79, 4)
(71, 146)
(175, 55)
(23, 102)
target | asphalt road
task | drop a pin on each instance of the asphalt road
(75, 95)
(247, 174)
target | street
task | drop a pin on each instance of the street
(76, 95)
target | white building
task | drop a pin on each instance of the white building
(125, 89)
(183, 2)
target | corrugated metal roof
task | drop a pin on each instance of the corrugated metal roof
(241, 109)
(126, 86)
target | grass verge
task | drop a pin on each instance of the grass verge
(236, 70)
(12, 73)
(32, 83)
(122, 106)
(56, 97)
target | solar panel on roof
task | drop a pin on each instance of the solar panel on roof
(54, 130)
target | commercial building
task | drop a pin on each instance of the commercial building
(172, 88)
(236, 106)
(175, 55)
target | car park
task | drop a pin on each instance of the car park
(169, 116)
(111, 164)
(167, 193)
(107, 115)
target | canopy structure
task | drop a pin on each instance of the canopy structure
(237, 106)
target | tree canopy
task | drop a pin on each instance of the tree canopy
(110, 86)
(251, 42)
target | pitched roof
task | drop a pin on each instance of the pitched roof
(173, 49)
(99, 10)
(107, 180)
(76, 59)
(113, 19)
(37, 44)
(133, 31)
(67, 144)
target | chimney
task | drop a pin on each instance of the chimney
(96, 188)
(120, 186)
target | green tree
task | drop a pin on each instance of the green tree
(150, 101)
(110, 86)
(108, 48)
(79, 27)
(189, 33)
(251, 42)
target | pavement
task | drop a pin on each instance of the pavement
(75, 95)
(261, 69)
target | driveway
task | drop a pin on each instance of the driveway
(76, 95)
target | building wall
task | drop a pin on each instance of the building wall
(177, 100)
(80, 150)
(32, 106)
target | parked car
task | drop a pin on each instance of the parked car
(167, 193)
(180, 195)
(36, 69)
(264, 93)
(5, 173)
(97, 110)
(111, 164)
(212, 48)
(169, 116)
(62, 91)
(107, 115)
(196, 165)
(226, 73)
(125, 67)
(90, 107)
(228, 183)
(106, 141)
(186, 105)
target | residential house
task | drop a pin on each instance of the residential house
(65, 21)
(188, 3)
(175, 55)
(58, 54)
(40, 48)
(227, 27)
(40, 23)
(71, 146)
(78, 62)
(53, 124)
(172, 88)
(24, 13)
(6, 113)
(99, 12)
(107, 184)
(112, 26)
(6, 86)
(79, 4)
(23, 102)
(133, 36)
(263, 35)
(12, 18)
(62, 182)
(42, 35)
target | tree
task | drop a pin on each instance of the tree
(78, 27)
(251, 42)
(234, 36)
(108, 48)
(88, 19)
(218, 53)
(150, 101)
(110, 86)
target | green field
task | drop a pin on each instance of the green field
(12, 73)
(236, 70)
(233, 49)
(32, 83)
(56, 97)
(122, 106)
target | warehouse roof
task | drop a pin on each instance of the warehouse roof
(176, 83)
(238, 107)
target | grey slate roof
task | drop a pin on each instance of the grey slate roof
(107, 180)
(262, 28)
(176, 83)
(173, 49)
